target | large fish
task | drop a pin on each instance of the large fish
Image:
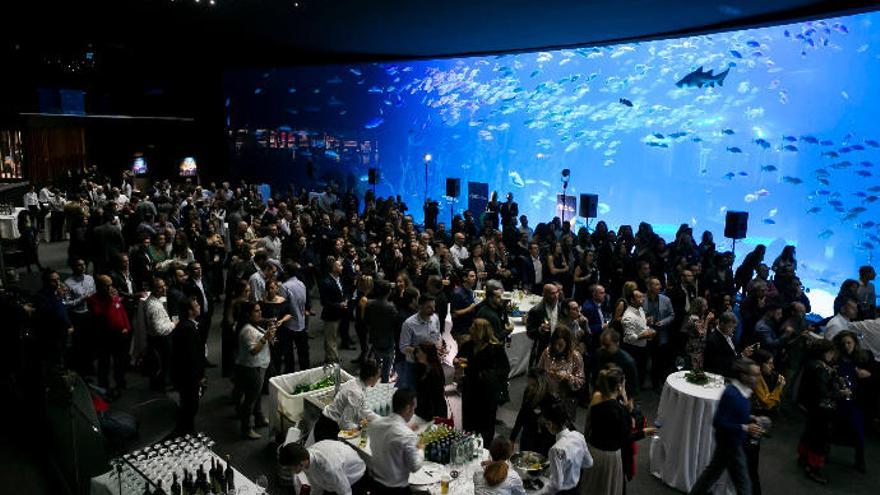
(700, 78)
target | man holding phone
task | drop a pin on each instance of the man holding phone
(721, 351)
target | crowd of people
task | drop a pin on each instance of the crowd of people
(619, 311)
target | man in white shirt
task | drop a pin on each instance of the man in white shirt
(32, 205)
(569, 456)
(458, 251)
(271, 243)
(637, 333)
(349, 408)
(397, 451)
(841, 321)
(330, 465)
(424, 326)
(159, 327)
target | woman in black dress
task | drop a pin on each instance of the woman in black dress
(586, 275)
(274, 308)
(819, 393)
(486, 369)
(430, 382)
(536, 399)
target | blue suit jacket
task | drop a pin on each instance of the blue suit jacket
(733, 412)
(591, 312)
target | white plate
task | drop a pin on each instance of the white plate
(346, 436)
(429, 474)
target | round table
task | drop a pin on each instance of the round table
(687, 440)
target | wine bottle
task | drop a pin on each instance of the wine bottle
(230, 475)
(175, 486)
(159, 490)
(147, 489)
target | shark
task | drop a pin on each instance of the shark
(700, 78)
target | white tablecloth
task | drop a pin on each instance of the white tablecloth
(9, 225)
(104, 485)
(687, 440)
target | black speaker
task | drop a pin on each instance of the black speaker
(373, 176)
(453, 187)
(736, 224)
(589, 205)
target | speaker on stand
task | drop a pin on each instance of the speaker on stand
(736, 224)
(453, 191)
(589, 207)
(373, 178)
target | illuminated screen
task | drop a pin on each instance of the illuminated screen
(139, 165)
(188, 167)
(779, 122)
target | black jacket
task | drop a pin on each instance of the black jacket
(188, 357)
(331, 300)
(718, 357)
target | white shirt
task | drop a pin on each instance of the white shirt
(513, 485)
(836, 325)
(568, 456)
(395, 451)
(539, 270)
(156, 317)
(870, 331)
(349, 406)
(634, 325)
(334, 467)
(552, 315)
(201, 286)
(81, 288)
(46, 196)
(297, 297)
(272, 246)
(248, 339)
(458, 253)
(30, 199)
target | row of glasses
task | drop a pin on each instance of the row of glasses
(158, 462)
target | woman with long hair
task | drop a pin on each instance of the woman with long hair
(746, 270)
(819, 393)
(430, 383)
(498, 477)
(476, 263)
(785, 263)
(853, 364)
(251, 364)
(484, 386)
(362, 296)
(274, 309)
(696, 326)
(241, 293)
(586, 275)
(609, 430)
(849, 289)
(557, 266)
(536, 399)
(565, 368)
(621, 303)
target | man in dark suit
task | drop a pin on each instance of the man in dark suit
(509, 211)
(196, 288)
(187, 365)
(532, 269)
(109, 243)
(334, 309)
(594, 310)
(609, 352)
(733, 423)
(721, 351)
(141, 264)
(541, 321)
(177, 291)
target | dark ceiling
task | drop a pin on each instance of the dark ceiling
(167, 56)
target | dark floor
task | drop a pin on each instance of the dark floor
(155, 412)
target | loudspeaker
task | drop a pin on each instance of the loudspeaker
(589, 205)
(373, 176)
(453, 187)
(736, 224)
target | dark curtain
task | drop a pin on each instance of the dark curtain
(51, 151)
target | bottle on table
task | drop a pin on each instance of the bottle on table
(229, 475)
(175, 486)
(147, 488)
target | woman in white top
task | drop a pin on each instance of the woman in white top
(348, 409)
(250, 366)
(498, 476)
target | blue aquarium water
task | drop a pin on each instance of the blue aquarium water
(781, 122)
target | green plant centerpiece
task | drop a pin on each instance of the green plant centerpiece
(697, 377)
